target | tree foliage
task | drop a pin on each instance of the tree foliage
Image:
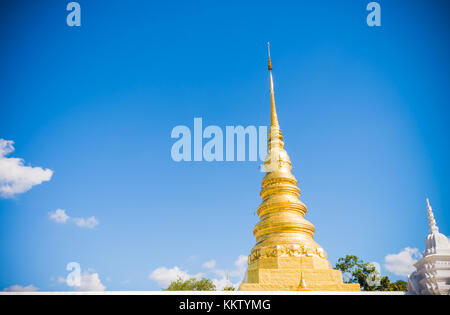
(367, 275)
(229, 288)
(387, 285)
(191, 285)
(350, 266)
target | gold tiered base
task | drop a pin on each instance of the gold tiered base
(294, 274)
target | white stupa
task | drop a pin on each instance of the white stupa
(432, 275)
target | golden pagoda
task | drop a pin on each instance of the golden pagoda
(286, 257)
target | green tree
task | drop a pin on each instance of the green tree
(356, 270)
(229, 288)
(191, 285)
(350, 266)
(387, 285)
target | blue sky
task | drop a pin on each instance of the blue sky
(364, 112)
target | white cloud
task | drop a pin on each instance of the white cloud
(239, 270)
(90, 281)
(59, 216)
(402, 264)
(233, 277)
(238, 274)
(241, 265)
(15, 177)
(19, 288)
(165, 276)
(87, 223)
(61, 280)
(191, 258)
(222, 283)
(209, 264)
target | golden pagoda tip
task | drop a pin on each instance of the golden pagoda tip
(270, 62)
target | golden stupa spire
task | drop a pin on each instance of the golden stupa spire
(273, 111)
(275, 137)
(285, 250)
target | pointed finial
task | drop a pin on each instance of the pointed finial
(431, 220)
(274, 118)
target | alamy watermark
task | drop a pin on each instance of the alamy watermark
(73, 279)
(74, 17)
(374, 17)
(374, 277)
(234, 143)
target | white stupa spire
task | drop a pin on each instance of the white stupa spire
(431, 221)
